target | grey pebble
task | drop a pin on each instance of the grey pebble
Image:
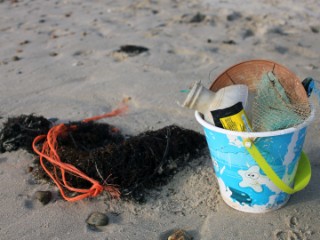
(97, 219)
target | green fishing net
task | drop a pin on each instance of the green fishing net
(272, 108)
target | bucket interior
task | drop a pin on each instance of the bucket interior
(242, 183)
(251, 73)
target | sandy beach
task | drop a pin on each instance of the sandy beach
(65, 60)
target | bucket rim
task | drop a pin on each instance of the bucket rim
(207, 125)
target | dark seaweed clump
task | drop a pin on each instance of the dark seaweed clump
(19, 132)
(135, 164)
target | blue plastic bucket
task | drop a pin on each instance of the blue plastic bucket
(243, 185)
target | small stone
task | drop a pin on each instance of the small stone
(24, 42)
(247, 33)
(229, 42)
(199, 17)
(97, 219)
(43, 196)
(180, 234)
(53, 54)
(16, 58)
(234, 16)
(315, 29)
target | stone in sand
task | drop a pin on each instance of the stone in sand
(97, 219)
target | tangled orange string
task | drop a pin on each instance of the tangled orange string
(49, 153)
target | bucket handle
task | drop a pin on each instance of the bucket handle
(303, 173)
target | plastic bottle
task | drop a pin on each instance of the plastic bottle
(221, 107)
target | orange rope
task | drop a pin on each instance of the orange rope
(49, 153)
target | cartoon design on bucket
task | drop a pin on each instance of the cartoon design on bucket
(253, 179)
(243, 185)
(241, 197)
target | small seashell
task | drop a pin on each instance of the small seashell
(43, 196)
(97, 219)
(180, 234)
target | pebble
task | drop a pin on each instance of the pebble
(16, 58)
(97, 219)
(180, 234)
(53, 54)
(315, 29)
(24, 42)
(43, 196)
(234, 16)
(199, 17)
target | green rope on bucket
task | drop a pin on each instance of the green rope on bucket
(303, 173)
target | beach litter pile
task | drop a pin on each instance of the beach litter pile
(87, 155)
(255, 117)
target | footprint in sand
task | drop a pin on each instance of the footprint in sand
(295, 231)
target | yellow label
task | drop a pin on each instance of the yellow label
(237, 122)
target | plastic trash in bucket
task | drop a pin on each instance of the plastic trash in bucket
(243, 183)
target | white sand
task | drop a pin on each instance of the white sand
(68, 70)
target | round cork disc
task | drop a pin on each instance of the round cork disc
(250, 73)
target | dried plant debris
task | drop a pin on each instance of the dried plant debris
(149, 159)
(134, 163)
(90, 136)
(19, 132)
(132, 50)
